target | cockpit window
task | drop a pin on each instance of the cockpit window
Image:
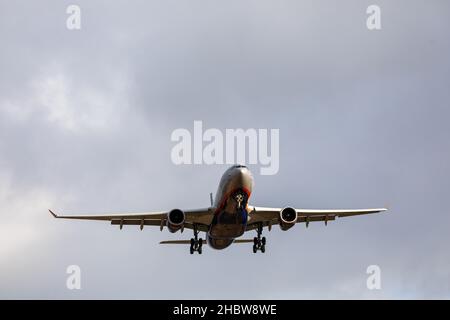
(240, 166)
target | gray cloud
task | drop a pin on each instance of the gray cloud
(86, 118)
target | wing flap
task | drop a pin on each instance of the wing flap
(137, 222)
(339, 212)
(200, 217)
(268, 217)
(315, 218)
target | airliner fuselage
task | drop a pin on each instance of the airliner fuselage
(230, 207)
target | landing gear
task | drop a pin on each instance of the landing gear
(196, 243)
(258, 242)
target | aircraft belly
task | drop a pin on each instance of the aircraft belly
(219, 243)
(226, 227)
(224, 231)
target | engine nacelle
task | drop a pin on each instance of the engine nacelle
(287, 218)
(175, 220)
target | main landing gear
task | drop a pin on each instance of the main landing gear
(196, 243)
(258, 242)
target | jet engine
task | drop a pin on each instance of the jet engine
(287, 218)
(175, 220)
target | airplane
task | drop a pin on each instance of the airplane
(228, 217)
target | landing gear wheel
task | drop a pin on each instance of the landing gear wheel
(258, 242)
(196, 243)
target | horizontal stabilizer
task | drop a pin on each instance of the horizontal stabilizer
(243, 241)
(176, 242)
(189, 241)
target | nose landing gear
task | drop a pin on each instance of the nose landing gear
(258, 242)
(196, 243)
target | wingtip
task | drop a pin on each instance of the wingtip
(53, 214)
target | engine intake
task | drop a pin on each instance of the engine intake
(288, 218)
(175, 220)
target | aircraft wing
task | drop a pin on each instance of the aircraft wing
(270, 216)
(200, 217)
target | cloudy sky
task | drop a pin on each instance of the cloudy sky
(85, 123)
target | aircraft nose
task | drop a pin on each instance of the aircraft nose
(241, 172)
(243, 177)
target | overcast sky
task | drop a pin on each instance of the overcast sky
(85, 123)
